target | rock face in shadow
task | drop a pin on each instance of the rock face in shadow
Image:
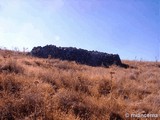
(91, 58)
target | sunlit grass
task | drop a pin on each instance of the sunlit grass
(51, 89)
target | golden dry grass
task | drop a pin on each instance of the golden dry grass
(50, 89)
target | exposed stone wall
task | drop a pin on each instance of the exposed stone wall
(92, 58)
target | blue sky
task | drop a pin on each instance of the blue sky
(129, 28)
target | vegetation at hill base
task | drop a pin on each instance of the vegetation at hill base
(50, 89)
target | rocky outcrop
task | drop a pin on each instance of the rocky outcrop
(91, 58)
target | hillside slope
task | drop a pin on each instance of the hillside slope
(51, 89)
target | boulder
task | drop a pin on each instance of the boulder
(91, 58)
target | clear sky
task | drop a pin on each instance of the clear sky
(130, 28)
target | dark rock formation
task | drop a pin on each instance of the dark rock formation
(92, 58)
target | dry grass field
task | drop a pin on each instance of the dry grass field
(51, 89)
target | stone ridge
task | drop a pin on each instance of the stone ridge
(91, 58)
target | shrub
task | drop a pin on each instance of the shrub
(73, 102)
(104, 87)
(12, 67)
(10, 85)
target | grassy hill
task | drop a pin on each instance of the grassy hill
(50, 89)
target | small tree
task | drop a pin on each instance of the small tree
(24, 50)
